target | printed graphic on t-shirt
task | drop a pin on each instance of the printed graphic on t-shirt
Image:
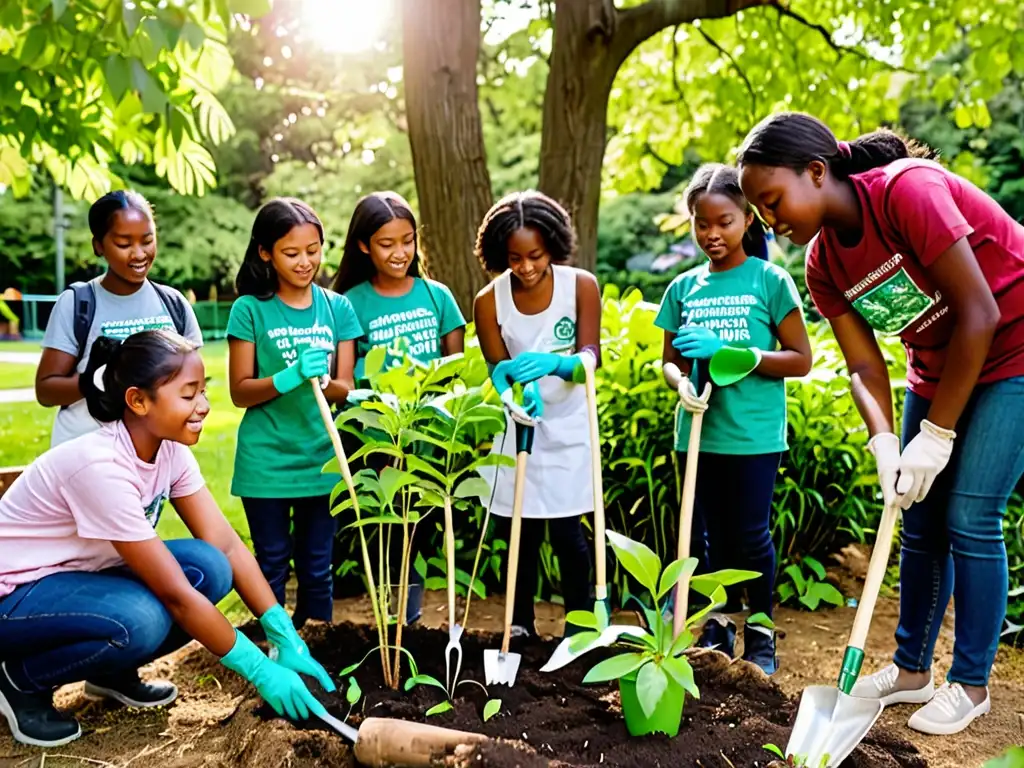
(154, 509)
(895, 304)
(419, 327)
(726, 315)
(122, 329)
(289, 338)
(565, 335)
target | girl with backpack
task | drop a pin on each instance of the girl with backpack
(283, 331)
(736, 300)
(902, 246)
(115, 305)
(88, 591)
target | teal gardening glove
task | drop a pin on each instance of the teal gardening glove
(292, 652)
(312, 364)
(697, 342)
(530, 366)
(281, 688)
(532, 407)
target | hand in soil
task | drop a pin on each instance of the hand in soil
(292, 652)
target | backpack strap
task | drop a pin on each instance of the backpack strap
(84, 312)
(175, 304)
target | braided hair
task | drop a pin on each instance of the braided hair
(519, 210)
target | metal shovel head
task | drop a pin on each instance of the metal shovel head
(454, 647)
(501, 668)
(830, 724)
(347, 731)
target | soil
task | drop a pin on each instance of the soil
(545, 720)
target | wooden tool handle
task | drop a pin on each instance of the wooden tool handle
(600, 545)
(449, 552)
(332, 430)
(387, 743)
(686, 521)
(513, 547)
(876, 573)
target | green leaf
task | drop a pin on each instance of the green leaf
(473, 487)
(826, 592)
(393, 480)
(117, 72)
(615, 667)
(585, 619)
(761, 620)
(810, 602)
(254, 8)
(794, 573)
(491, 708)
(678, 667)
(154, 100)
(681, 643)
(131, 14)
(814, 565)
(775, 751)
(59, 6)
(35, 42)
(418, 464)
(415, 680)
(651, 684)
(730, 576)
(673, 573)
(444, 706)
(637, 558)
(353, 693)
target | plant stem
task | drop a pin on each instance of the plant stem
(403, 590)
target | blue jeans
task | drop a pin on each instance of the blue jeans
(731, 513)
(307, 537)
(958, 530)
(78, 625)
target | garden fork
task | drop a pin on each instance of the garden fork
(454, 629)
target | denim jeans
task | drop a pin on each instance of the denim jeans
(283, 530)
(957, 531)
(79, 625)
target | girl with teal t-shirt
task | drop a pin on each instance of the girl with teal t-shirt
(283, 331)
(734, 301)
(384, 275)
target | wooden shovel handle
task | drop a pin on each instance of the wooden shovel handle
(384, 743)
(513, 547)
(449, 553)
(600, 546)
(876, 573)
(686, 521)
(332, 430)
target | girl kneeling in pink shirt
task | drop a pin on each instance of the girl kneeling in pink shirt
(88, 591)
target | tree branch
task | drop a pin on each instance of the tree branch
(739, 70)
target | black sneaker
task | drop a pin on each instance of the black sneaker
(759, 648)
(32, 717)
(128, 689)
(718, 633)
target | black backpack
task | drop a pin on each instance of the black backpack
(85, 310)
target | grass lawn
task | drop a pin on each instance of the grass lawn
(15, 376)
(25, 433)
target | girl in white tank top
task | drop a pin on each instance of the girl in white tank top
(545, 316)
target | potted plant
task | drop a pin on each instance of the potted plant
(653, 671)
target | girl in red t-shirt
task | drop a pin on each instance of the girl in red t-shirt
(903, 247)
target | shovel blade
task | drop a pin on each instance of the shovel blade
(501, 668)
(830, 724)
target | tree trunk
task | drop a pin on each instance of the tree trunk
(591, 41)
(441, 43)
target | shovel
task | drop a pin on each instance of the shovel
(830, 723)
(381, 742)
(501, 667)
(454, 647)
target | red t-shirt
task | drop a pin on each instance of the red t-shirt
(914, 210)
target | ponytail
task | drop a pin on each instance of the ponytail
(794, 140)
(143, 361)
(755, 241)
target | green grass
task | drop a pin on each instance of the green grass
(16, 376)
(19, 346)
(25, 433)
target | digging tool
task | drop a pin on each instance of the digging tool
(686, 511)
(830, 722)
(601, 608)
(501, 667)
(454, 646)
(381, 742)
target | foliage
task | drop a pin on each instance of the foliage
(808, 585)
(88, 83)
(655, 655)
(796, 761)
(1012, 758)
(1013, 528)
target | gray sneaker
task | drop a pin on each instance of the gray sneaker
(949, 712)
(882, 685)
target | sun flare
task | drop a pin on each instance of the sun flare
(345, 26)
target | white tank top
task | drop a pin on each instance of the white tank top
(558, 478)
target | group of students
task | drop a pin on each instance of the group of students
(897, 245)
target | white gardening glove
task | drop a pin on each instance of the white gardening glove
(886, 448)
(690, 401)
(922, 460)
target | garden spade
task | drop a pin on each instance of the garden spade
(454, 647)
(381, 742)
(501, 667)
(830, 723)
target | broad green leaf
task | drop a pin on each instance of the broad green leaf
(585, 619)
(637, 558)
(491, 708)
(775, 751)
(131, 15)
(673, 573)
(761, 620)
(393, 480)
(374, 361)
(615, 667)
(681, 643)
(118, 74)
(415, 680)
(418, 464)
(729, 576)
(815, 566)
(826, 592)
(375, 520)
(59, 6)
(651, 684)
(353, 693)
(444, 706)
(473, 487)
(678, 667)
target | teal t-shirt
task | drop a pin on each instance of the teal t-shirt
(423, 317)
(283, 444)
(744, 306)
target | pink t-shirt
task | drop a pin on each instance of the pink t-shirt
(65, 510)
(914, 210)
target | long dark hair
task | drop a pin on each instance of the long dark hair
(274, 220)
(524, 209)
(719, 179)
(101, 213)
(794, 139)
(145, 360)
(373, 212)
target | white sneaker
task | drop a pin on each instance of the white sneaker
(882, 685)
(949, 712)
